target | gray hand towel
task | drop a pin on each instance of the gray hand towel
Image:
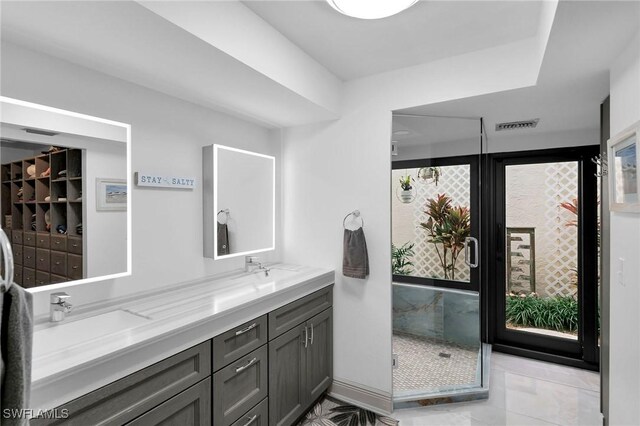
(16, 338)
(355, 258)
(223, 239)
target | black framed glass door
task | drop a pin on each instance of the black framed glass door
(543, 273)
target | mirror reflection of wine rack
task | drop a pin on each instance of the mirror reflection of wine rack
(521, 265)
(42, 213)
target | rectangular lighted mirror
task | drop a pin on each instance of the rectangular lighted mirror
(239, 202)
(52, 204)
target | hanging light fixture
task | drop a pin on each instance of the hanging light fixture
(370, 9)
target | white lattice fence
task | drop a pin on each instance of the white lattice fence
(455, 182)
(557, 258)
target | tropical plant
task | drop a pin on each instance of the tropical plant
(400, 263)
(573, 208)
(405, 182)
(448, 227)
(554, 313)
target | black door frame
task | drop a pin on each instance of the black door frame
(584, 353)
(474, 194)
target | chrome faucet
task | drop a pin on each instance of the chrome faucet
(59, 306)
(252, 264)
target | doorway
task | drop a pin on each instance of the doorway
(542, 234)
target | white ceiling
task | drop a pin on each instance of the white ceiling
(573, 80)
(428, 31)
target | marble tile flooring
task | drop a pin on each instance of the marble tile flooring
(522, 392)
(422, 368)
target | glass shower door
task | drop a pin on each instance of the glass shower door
(436, 221)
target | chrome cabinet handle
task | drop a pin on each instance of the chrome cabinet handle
(251, 420)
(247, 365)
(306, 336)
(312, 334)
(244, 330)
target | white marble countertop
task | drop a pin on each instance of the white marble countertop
(92, 349)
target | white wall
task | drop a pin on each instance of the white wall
(167, 137)
(333, 168)
(624, 383)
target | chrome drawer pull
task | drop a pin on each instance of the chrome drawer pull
(244, 330)
(306, 336)
(247, 365)
(312, 334)
(251, 420)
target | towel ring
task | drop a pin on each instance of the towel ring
(8, 260)
(355, 214)
(226, 215)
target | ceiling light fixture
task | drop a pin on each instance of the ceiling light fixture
(371, 9)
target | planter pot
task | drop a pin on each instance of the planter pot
(406, 196)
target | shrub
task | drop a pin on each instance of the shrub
(554, 313)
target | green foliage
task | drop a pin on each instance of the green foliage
(448, 227)
(400, 263)
(405, 182)
(554, 313)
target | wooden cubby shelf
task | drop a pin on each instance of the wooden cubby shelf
(41, 196)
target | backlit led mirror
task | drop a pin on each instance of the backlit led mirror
(239, 202)
(65, 203)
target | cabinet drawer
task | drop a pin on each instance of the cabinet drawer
(59, 242)
(43, 259)
(16, 237)
(29, 257)
(257, 416)
(59, 263)
(42, 278)
(239, 341)
(29, 238)
(74, 245)
(189, 408)
(28, 277)
(43, 240)
(239, 386)
(74, 266)
(17, 254)
(294, 313)
(17, 274)
(124, 400)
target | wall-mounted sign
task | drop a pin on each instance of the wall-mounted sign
(160, 181)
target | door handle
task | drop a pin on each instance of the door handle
(467, 252)
(312, 334)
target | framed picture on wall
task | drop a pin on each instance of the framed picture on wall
(624, 188)
(111, 194)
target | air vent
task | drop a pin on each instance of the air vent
(40, 132)
(517, 125)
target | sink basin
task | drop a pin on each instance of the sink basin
(64, 335)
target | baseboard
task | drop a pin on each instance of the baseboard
(372, 399)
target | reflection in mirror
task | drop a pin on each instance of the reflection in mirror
(239, 202)
(64, 199)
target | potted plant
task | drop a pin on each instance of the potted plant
(406, 193)
(430, 173)
(400, 256)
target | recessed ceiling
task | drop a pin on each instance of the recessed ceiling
(428, 31)
(574, 78)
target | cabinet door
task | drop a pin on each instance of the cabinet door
(319, 354)
(287, 380)
(189, 408)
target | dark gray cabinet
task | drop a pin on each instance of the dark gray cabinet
(268, 371)
(191, 407)
(300, 368)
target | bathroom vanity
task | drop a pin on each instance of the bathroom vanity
(249, 350)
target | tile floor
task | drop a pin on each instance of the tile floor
(523, 392)
(420, 366)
